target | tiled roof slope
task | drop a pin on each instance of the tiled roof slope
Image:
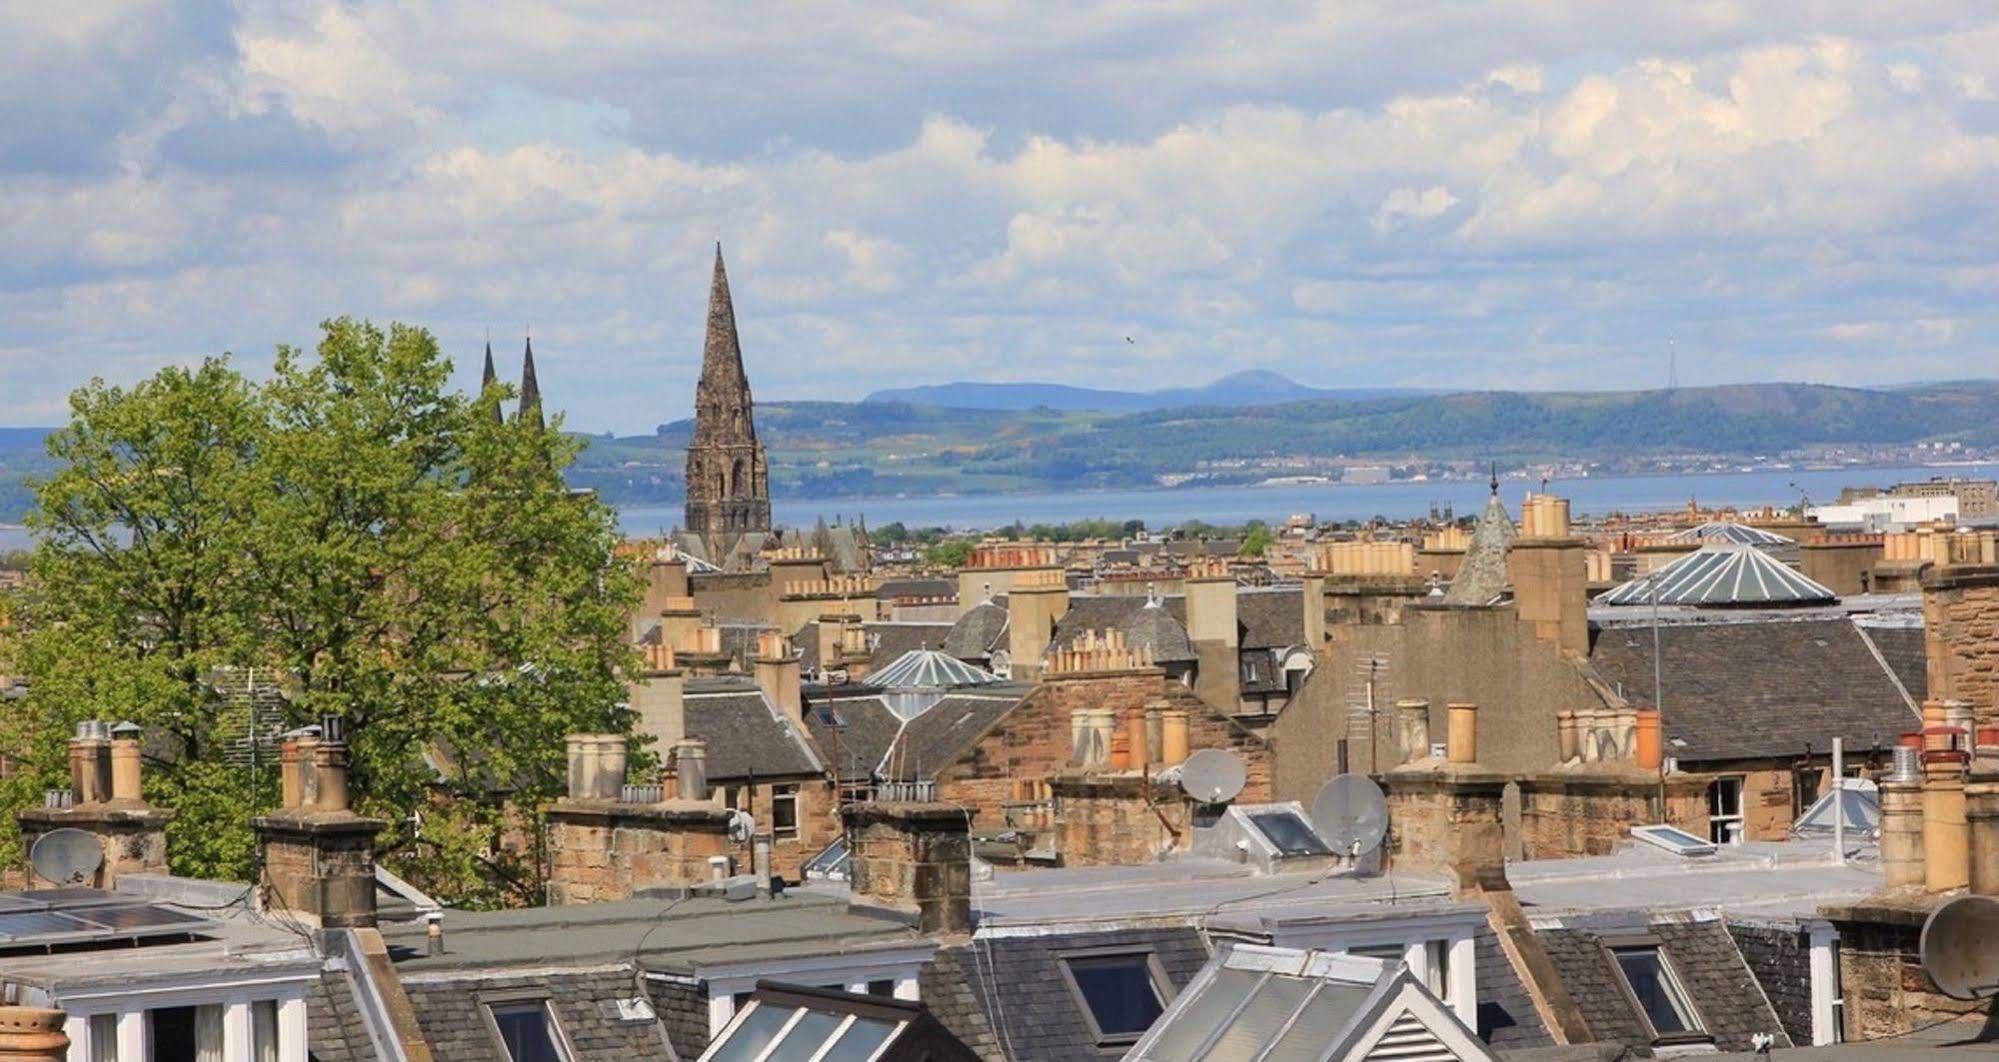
(1781, 958)
(1506, 1014)
(683, 1008)
(1758, 688)
(335, 1031)
(867, 727)
(978, 632)
(1482, 574)
(937, 738)
(1033, 1012)
(744, 732)
(945, 985)
(584, 1002)
(1718, 984)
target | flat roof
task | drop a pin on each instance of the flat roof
(1189, 889)
(663, 936)
(229, 938)
(1777, 879)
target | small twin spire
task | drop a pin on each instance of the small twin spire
(530, 405)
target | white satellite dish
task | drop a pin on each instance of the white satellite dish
(1351, 814)
(742, 826)
(66, 856)
(1212, 776)
(1960, 947)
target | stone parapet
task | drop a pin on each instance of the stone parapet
(601, 850)
(1447, 818)
(915, 859)
(1117, 819)
(1572, 813)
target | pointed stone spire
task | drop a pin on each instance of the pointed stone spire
(488, 379)
(724, 392)
(1482, 575)
(530, 387)
(728, 490)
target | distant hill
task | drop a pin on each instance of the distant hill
(834, 449)
(1254, 387)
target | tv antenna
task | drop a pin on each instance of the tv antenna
(1351, 814)
(1211, 776)
(66, 856)
(1960, 947)
(1363, 702)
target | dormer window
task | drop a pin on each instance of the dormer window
(526, 1029)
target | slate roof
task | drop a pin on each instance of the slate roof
(1033, 1012)
(1506, 1014)
(334, 1028)
(978, 632)
(745, 732)
(867, 728)
(945, 985)
(1760, 688)
(1481, 576)
(1266, 618)
(940, 736)
(1718, 983)
(448, 1010)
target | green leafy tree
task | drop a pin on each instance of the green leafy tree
(1257, 541)
(382, 546)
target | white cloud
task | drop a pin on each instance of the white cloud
(961, 189)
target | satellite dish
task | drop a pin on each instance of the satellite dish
(1213, 776)
(1960, 947)
(742, 826)
(66, 856)
(1351, 814)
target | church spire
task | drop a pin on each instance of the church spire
(488, 379)
(530, 387)
(725, 388)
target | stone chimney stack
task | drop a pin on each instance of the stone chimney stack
(680, 625)
(776, 665)
(104, 778)
(914, 859)
(608, 839)
(1212, 628)
(1314, 604)
(318, 855)
(1901, 794)
(1412, 729)
(1550, 575)
(1036, 601)
(658, 696)
(666, 582)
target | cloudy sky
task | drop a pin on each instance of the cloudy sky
(1532, 193)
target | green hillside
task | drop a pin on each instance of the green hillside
(829, 449)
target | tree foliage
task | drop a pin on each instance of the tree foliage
(383, 549)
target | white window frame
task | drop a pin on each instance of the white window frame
(1717, 827)
(1455, 939)
(234, 993)
(1162, 987)
(724, 983)
(1828, 998)
(1674, 986)
(784, 792)
(523, 1000)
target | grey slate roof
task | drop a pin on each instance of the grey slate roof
(945, 984)
(1764, 687)
(939, 737)
(867, 727)
(683, 1009)
(335, 1030)
(449, 1011)
(1717, 981)
(1506, 1014)
(978, 632)
(1780, 956)
(1032, 1011)
(1482, 577)
(745, 732)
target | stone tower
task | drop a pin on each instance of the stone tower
(728, 488)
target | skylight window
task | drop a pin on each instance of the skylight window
(774, 1032)
(1657, 992)
(1290, 834)
(527, 1031)
(1674, 840)
(1120, 994)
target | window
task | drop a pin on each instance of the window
(884, 987)
(1649, 978)
(1120, 994)
(1438, 977)
(104, 1038)
(527, 1031)
(784, 812)
(185, 1034)
(1289, 834)
(264, 1030)
(1724, 802)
